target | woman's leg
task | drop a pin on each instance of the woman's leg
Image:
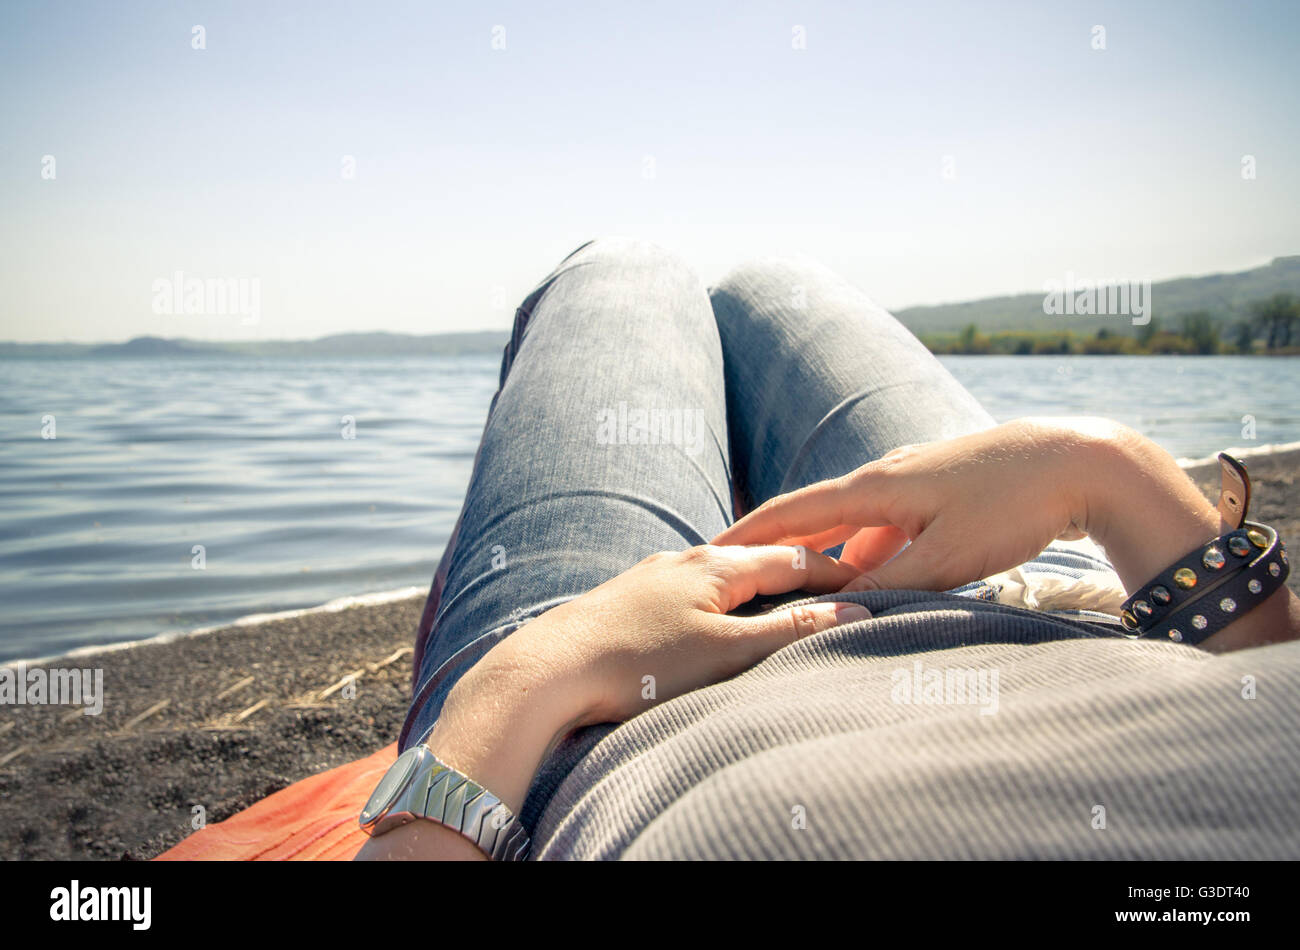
(820, 380)
(606, 442)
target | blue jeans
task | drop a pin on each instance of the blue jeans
(638, 412)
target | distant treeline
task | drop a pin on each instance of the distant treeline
(1268, 326)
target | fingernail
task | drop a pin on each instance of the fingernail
(848, 613)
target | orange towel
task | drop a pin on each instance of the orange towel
(311, 820)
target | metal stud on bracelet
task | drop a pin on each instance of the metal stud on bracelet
(1200, 603)
(1207, 589)
(1155, 599)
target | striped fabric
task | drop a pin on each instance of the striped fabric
(1080, 745)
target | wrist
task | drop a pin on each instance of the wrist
(507, 713)
(1141, 507)
(1144, 511)
(1274, 621)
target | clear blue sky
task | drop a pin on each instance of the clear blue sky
(478, 168)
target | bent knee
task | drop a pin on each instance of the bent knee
(777, 275)
(622, 251)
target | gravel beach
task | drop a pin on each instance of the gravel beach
(222, 719)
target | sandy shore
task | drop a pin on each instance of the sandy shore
(223, 719)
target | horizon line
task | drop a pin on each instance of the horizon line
(505, 328)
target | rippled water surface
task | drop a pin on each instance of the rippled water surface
(248, 459)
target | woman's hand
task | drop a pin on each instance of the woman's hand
(654, 632)
(970, 507)
(987, 502)
(662, 628)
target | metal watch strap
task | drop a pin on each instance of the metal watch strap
(467, 807)
(420, 785)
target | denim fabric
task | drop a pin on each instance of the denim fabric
(821, 380)
(633, 405)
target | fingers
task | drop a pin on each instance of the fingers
(807, 514)
(871, 547)
(774, 569)
(824, 539)
(761, 636)
(926, 564)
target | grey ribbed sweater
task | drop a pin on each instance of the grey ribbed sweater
(817, 752)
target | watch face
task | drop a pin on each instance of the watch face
(393, 783)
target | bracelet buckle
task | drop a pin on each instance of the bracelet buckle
(1234, 493)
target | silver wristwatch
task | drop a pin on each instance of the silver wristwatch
(419, 785)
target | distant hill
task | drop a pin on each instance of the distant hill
(339, 345)
(378, 344)
(148, 346)
(1225, 296)
(61, 351)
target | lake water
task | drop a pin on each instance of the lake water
(247, 459)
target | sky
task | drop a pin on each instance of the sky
(419, 167)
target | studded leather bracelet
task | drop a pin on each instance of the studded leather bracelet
(1216, 583)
